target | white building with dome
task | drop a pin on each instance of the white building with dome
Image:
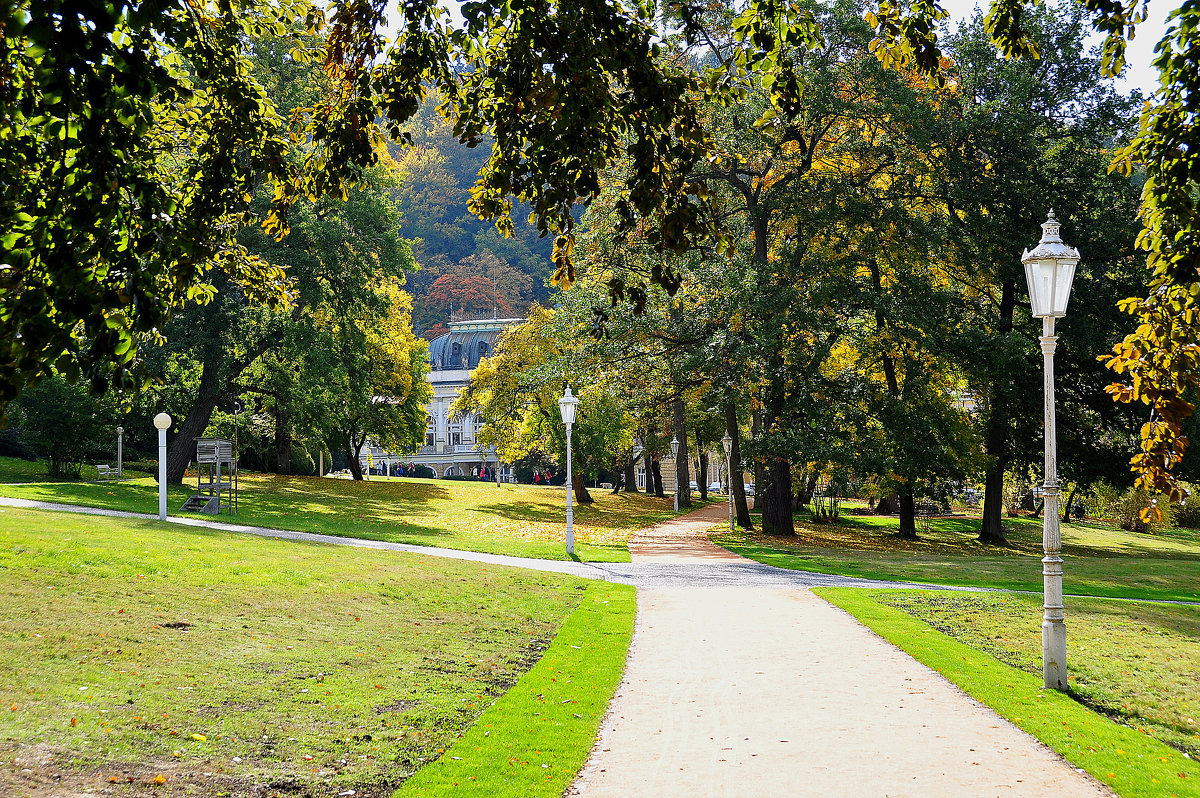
(450, 442)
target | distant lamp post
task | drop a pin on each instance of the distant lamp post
(727, 442)
(162, 422)
(567, 406)
(496, 454)
(1049, 270)
(120, 452)
(675, 460)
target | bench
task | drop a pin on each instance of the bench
(105, 472)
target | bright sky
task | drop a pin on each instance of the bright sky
(1139, 74)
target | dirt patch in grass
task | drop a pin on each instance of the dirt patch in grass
(302, 670)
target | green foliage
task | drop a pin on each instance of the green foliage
(1187, 514)
(64, 424)
(133, 134)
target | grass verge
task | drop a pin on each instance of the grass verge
(1131, 762)
(535, 738)
(184, 661)
(1100, 560)
(521, 520)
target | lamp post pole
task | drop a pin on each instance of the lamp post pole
(120, 452)
(162, 422)
(1049, 270)
(675, 460)
(727, 442)
(1054, 628)
(567, 406)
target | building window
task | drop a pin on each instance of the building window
(641, 477)
(483, 349)
(456, 430)
(456, 355)
(476, 425)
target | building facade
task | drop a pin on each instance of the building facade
(451, 442)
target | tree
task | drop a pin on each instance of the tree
(516, 393)
(381, 389)
(135, 132)
(1022, 136)
(63, 424)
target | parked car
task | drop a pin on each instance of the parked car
(749, 488)
(714, 487)
(693, 485)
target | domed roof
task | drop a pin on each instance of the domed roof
(466, 343)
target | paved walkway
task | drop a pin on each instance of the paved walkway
(770, 691)
(741, 682)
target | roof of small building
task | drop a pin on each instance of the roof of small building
(466, 343)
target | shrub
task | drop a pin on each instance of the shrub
(12, 444)
(1129, 511)
(1187, 515)
(63, 423)
(301, 462)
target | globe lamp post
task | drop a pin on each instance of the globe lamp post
(162, 423)
(675, 461)
(1049, 270)
(567, 406)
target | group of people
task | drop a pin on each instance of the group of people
(483, 473)
(540, 478)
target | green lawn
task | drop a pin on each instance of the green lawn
(146, 654)
(14, 469)
(1137, 662)
(535, 739)
(521, 520)
(1101, 560)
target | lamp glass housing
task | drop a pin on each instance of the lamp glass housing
(567, 406)
(1049, 271)
(674, 448)
(727, 442)
(162, 421)
(1049, 282)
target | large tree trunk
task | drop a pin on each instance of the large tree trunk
(991, 529)
(631, 476)
(581, 492)
(353, 452)
(183, 446)
(656, 474)
(353, 464)
(283, 442)
(908, 517)
(703, 481)
(777, 500)
(736, 483)
(1070, 503)
(759, 465)
(682, 472)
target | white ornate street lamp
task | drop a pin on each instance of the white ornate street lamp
(1049, 270)
(675, 462)
(162, 422)
(567, 406)
(727, 442)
